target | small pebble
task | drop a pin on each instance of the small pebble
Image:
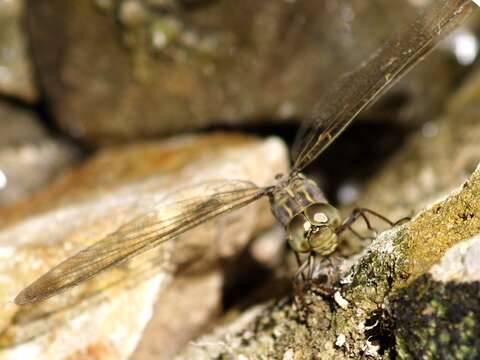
(288, 355)
(340, 300)
(372, 349)
(340, 340)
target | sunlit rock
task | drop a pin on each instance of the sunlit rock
(106, 316)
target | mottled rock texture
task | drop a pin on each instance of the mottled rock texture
(388, 304)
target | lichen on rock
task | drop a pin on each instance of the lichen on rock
(390, 297)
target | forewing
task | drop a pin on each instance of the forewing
(182, 212)
(356, 90)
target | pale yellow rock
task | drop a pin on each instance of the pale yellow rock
(112, 188)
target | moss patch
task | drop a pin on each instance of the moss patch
(436, 320)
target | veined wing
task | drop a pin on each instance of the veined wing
(41, 318)
(356, 90)
(166, 221)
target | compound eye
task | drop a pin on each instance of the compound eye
(323, 214)
(297, 231)
(324, 240)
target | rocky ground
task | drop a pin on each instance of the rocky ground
(110, 110)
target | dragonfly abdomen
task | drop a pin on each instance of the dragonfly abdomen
(291, 198)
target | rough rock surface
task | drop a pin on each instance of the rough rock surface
(182, 312)
(437, 315)
(413, 290)
(105, 317)
(173, 65)
(367, 315)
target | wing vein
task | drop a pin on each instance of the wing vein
(356, 90)
(141, 234)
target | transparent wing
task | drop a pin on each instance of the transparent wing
(43, 317)
(186, 210)
(355, 90)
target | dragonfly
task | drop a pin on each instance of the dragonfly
(312, 225)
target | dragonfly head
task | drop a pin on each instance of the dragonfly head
(314, 229)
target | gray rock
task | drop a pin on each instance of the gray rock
(460, 264)
(29, 157)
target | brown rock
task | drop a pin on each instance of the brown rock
(16, 75)
(149, 68)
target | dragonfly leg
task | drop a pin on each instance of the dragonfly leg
(318, 276)
(358, 235)
(402, 220)
(300, 275)
(311, 266)
(303, 276)
(332, 274)
(361, 213)
(299, 282)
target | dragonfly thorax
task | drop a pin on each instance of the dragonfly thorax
(310, 221)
